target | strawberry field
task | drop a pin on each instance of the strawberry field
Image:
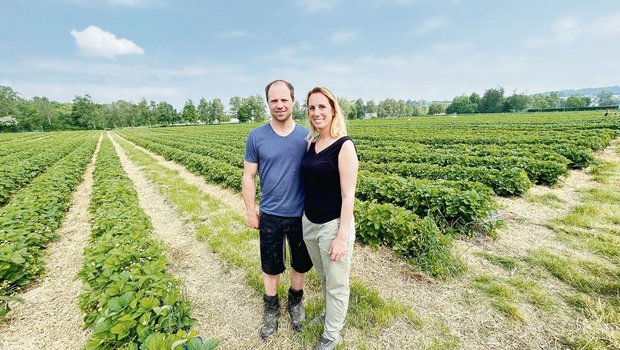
(423, 183)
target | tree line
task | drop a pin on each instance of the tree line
(494, 101)
(43, 114)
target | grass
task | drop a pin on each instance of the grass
(592, 269)
(504, 262)
(500, 295)
(226, 234)
(548, 199)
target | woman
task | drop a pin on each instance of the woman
(329, 175)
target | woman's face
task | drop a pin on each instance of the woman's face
(320, 112)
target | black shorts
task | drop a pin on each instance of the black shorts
(273, 231)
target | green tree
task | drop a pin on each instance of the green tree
(216, 111)
(83, 113)
(8, 101)
(576, 102)
(436, 108)
(166, 114)
(299, 111)
(554, 100)
(142, 113)
(345, 106)
(388, 108)
(461, 105)
(189, 113)
(203, 110)
(516, 103)
(359, 108)
(605, 98)
(252, 109)
(539, 101)
(235, 104)
(46, 113)
(475, 99)
(371, 108)
(492, 101)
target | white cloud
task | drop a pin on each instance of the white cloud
(233, 34)
(314, 6)
(564, 31)
(343, 37)
(96, 42)
(430, 25)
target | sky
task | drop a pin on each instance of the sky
(165, 50)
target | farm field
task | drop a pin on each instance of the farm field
(481, 232)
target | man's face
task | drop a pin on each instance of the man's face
(280, 102)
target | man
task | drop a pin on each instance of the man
(275, 151)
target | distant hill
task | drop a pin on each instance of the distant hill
(590, 92)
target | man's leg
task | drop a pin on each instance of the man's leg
(271, 284)
(297, 280)
(272, 262)
(300, 264)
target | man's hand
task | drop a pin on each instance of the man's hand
(251, 219)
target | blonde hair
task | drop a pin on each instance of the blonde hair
(338, 127)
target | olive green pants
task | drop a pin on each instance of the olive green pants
(334, 275)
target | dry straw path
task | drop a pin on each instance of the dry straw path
(49, 317)
(223, 305)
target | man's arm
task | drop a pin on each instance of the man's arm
(248, 190)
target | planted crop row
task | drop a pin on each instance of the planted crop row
(213, 170)
(28, 222)
(26, 144)
(458, 204)
(128, 298)
(503, 182)
(539, 171)
(593, 139)
(202, 148)
(22, 168)
(414, 238)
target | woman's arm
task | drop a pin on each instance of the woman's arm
(347, 166)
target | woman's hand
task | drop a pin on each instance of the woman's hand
(338, 249)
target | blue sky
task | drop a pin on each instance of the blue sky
(371, 49)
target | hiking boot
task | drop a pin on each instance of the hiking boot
(296, 308)
(326, 344)
(270, 318)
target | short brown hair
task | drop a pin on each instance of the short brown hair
(288, 85)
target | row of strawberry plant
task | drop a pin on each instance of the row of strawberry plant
(461, 205)
(26, 144)
(578, 156)
(213, 170)
(28, 223)
(505, 182)
(128, 298)
(539, 171)
(417, 239)
(20, 169)
(203, 148)
(593, 139)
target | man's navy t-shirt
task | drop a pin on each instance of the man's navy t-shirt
(279, 161)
